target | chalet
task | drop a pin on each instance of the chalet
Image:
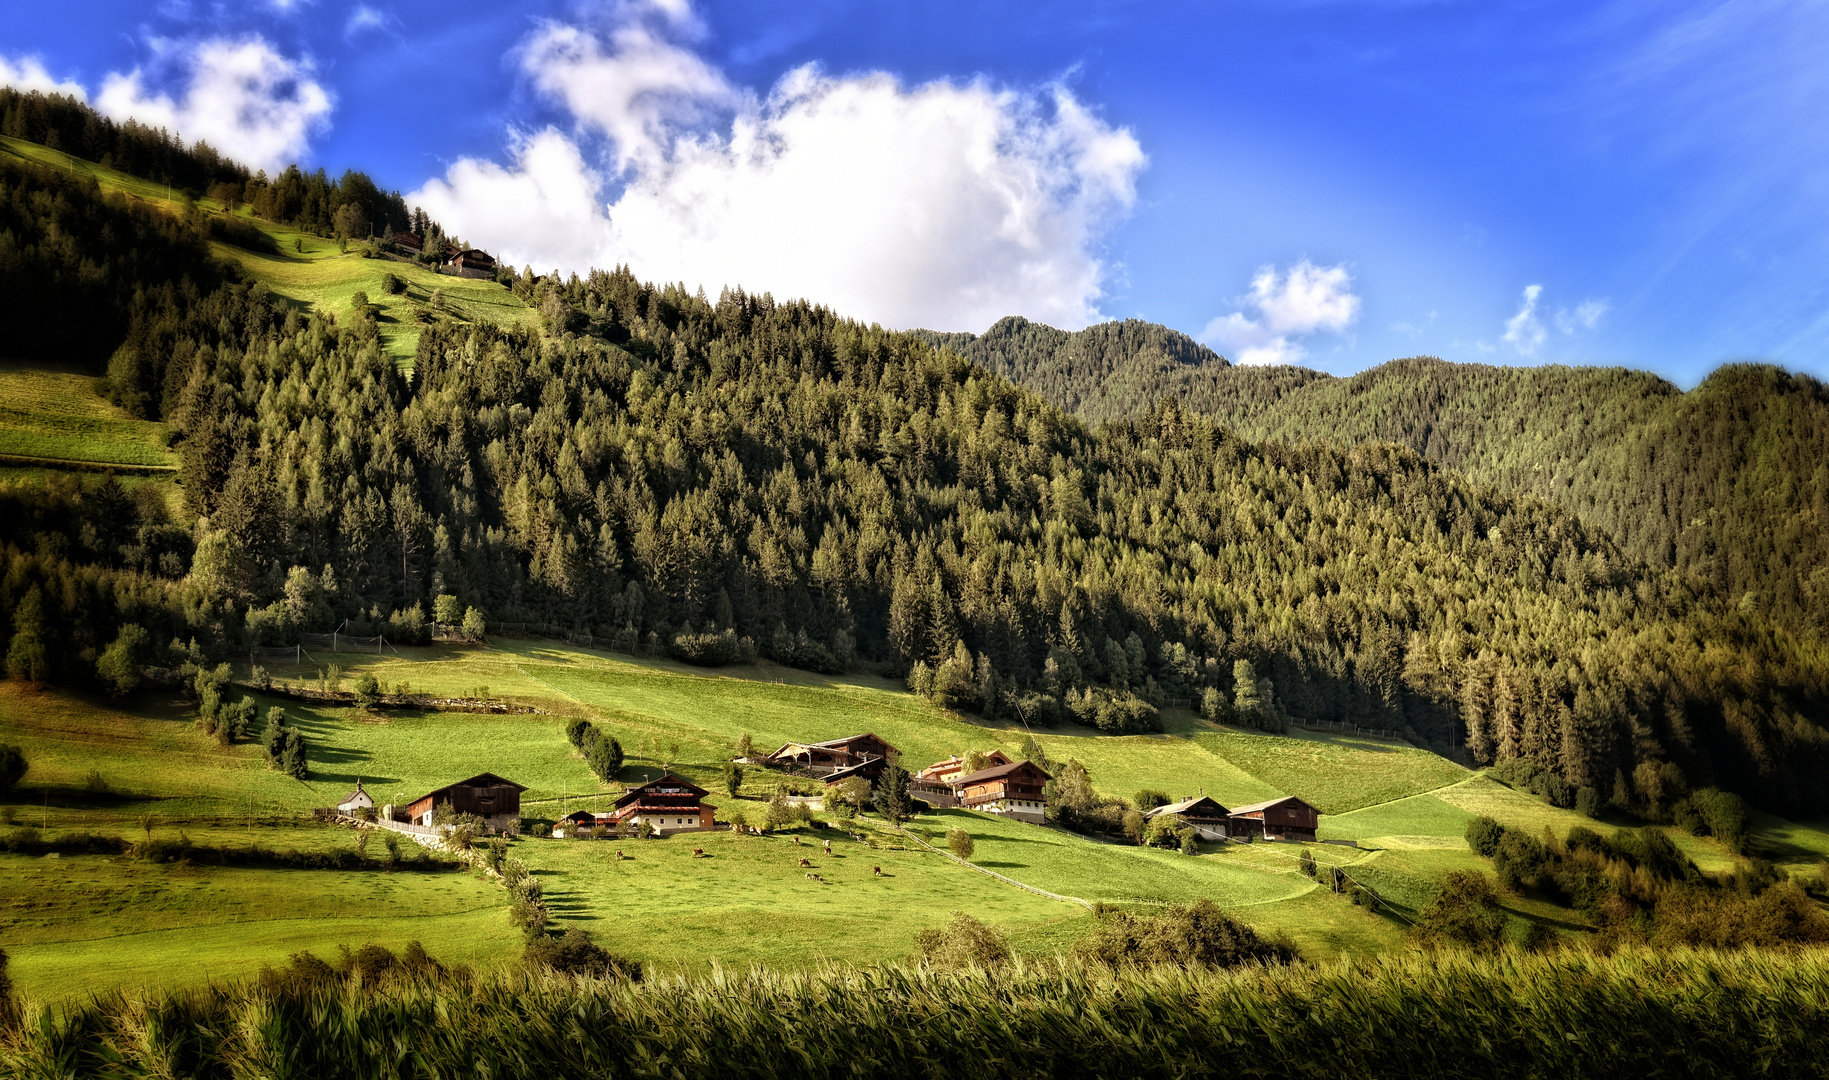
(667, 805)
(495, 799)
(408, 244)
(834, 755)
(945, 772)
(1208, 819)
(1287, 818)
(1014, 790)
(579, 821)
(473, 263)
(356, 800)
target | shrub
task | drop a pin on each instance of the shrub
(13, 768)
(575, 954)
(606, 758)
(1149, 799)
(575, 729)
(963, 942)
(960, 843)
(707, 650)
(393, 284)
(1587, 802)
(1464, 911)
(1483, 835)
(368, 689)
(1196, 935)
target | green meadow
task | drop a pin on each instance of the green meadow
(313, 272)
(82, 922)
(54, 415)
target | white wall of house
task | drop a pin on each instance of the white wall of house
(1030, 810)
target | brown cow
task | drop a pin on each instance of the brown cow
(806, 862)
(877, 870)
(619, 856)
(697, 851)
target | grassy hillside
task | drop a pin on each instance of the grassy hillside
(85, 921)
(312, 271)
(57, 415)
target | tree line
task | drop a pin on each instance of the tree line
(659, 468)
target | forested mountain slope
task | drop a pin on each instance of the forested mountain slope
(1728, 482)
(654, 466)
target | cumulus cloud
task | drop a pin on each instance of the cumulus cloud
(242, 96)
(28, 73)
(1526, 331)
(947, 205)
(1285, 306)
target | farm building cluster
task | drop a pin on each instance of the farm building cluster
(1015, 789)
(996, 785)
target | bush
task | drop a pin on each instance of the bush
(1587, 802)
(960, 842)
(707, 650)
(1721, 814)
(393, 284)
(575, 729)
(1464, 912)
(576, 955)
(1149, 799)
(1196, 935)
(1483, 835)
(605, 758)
(963, 942)
(1115, 713)
(13, 768)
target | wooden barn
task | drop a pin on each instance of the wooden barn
(668, 805)
(1208, 819)
(495, 799)
(1287, 818)
(834, 755)
(408, 244)
(473, 263)
(1014, 790)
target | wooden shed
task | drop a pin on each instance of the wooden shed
(1207, 818)
(495, 799)
(1287, 818)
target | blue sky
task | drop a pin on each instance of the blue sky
(1333, 183)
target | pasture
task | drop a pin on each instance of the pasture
(53, 415)
(102, 766)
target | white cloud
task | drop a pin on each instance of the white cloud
(1526, 331)
(364, 19)
(947, 205)
(28, 73)
(1306, 300)
(243, 97)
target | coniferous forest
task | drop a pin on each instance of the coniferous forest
(744, 476)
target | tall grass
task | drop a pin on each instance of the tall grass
(1568, 1015)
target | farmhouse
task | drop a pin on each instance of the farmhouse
(1287, 818)
(945, 772)
(495, 799)
(408, 244)
(1014, 790)
(667, 805)
(1208, 819)
(846, 755)
(473, 263)
(356, 800)
(579, 821)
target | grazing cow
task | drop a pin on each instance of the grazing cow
(697, 851)
(796, 839)
(877, 870)
(619, 856)
(806, 862)
(828, 847)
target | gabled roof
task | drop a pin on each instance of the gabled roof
(669, 780)
(994, 773)
(487, 779)
(1187, 805)
(351, 797)
(837, 744)
(1268, 803)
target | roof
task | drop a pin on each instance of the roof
(665, 778)
(994, 773)
(487, 779)
(1267, 804)
(837, 744)
(1185, 805)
